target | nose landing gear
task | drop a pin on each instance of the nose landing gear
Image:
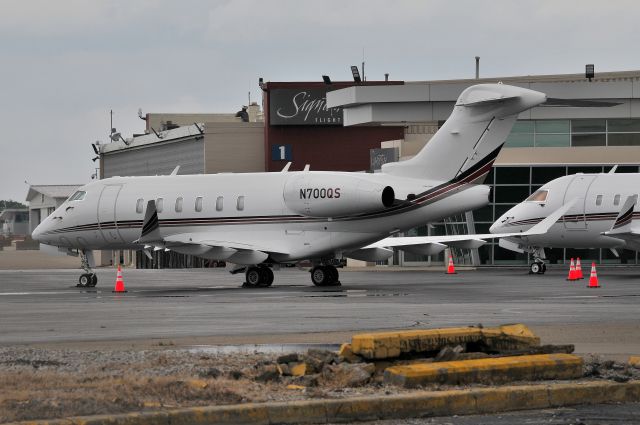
(88, 279)
(537, 267)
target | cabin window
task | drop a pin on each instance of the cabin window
(199, 204)
(179, 204)
(599, 200)
(539, 195)
(616, 200)
(78, 196)
(240, 203)
(219, 203)
(139, 205)
(159, 205)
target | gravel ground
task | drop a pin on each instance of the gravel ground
(37, 383)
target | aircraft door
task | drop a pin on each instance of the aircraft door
(575, 218)
(107, 214)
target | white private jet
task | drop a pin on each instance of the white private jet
(601, 216)
(258, 220)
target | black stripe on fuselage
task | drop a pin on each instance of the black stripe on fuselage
(575, 218)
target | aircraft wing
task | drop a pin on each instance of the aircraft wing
(237, 240)
(429, 243)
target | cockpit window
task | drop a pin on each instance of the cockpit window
(539, 195)
(78, 196)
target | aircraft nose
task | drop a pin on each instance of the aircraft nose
(496, 228)
(37, 233)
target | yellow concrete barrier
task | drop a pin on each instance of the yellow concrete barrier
(487, 371)
(383, 345)
(399, 406)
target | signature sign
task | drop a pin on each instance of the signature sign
(302, 107)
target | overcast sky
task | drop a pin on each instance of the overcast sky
(66, 63)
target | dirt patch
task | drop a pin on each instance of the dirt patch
(54, 383)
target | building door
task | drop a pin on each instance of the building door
(107, 214)
(575, 218)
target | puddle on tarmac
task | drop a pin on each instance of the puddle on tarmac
(260, 348)
(352, 293)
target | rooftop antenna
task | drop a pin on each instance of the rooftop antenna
(364, 78)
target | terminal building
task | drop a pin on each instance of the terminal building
(359, 126)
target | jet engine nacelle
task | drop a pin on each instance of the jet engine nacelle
(326, 195)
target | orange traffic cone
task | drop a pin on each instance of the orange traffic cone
(572, 271)
(450, 268)
(593, 278)
(119, 282)
(579, 269)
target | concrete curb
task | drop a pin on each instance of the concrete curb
(495, 370)
(416, 404)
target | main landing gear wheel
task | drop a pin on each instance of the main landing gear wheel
(537, 268)
(325, 276)
(87, 280)
(258, 277)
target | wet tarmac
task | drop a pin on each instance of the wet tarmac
(45, 306)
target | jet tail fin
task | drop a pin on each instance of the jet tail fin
(467, 144)
(625, 217)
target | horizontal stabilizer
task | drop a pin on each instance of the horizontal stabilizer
(577, 103)
(479, 100)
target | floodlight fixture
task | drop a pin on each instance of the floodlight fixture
(326, 79)
(589, 71)
(356, 74)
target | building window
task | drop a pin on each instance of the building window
(159, 205)
(199, 204)
(179, 204)
(589, 139)
(599, 200)
(552, 126)
(219, 203)
(553, 140)
(139, 205)
(589, 126)
(616, 200)
(624, 139)
(240, 203)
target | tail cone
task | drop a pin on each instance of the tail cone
(119, 281)
(593, 278)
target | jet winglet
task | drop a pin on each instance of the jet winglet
(625, 217)
(544, 226)
(150, 225)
